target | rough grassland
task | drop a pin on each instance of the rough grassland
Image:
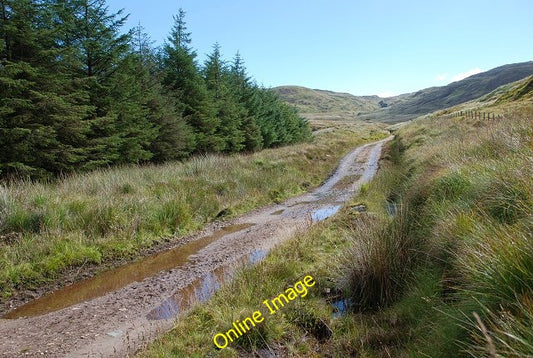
(440, 266)
(105, 215)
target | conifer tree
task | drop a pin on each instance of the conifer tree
(183, 79)
(225, 101)
(41, 109)
(243, 90)
(174, 139)
(239, 77)
(102, 56)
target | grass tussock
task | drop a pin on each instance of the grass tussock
(111, 214)
(378, 264)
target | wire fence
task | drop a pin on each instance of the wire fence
(475, 115)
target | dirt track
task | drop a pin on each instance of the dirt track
(118, 323)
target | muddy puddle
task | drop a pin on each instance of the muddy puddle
(117, 278)
(346, 182)
(201, 289)
(256, 256)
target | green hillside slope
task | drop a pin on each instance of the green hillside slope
(319, 104)
(435, 98)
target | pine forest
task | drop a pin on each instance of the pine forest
(78, 91)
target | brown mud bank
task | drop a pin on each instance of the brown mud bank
(115, 313)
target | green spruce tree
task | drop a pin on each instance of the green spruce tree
(41, 107)
(175, 138)
(242, 89)
(101, 55)
(78, 93)
(225, 101)
(183, 79)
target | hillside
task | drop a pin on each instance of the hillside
(435, 98)
(315, 103)
(517, 90)
(320, 104)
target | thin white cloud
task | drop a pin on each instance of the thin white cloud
(442, 77)
(461, 76)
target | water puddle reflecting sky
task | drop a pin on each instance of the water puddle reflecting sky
(325, 212)
(341, 306)
(200, 290)
(257, 255)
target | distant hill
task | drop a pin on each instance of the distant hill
(314, 103)
(435, 98)
(407, 106)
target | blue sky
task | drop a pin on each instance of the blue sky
(360, 47)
